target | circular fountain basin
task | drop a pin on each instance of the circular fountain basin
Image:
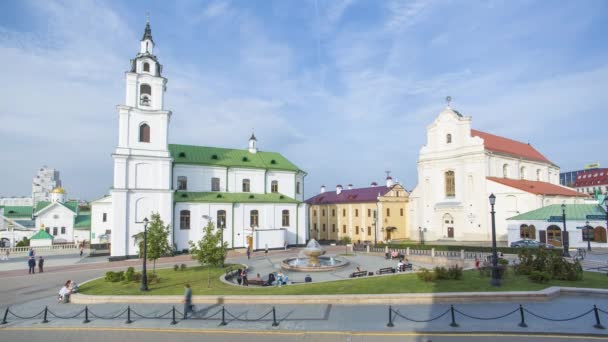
(325, 263)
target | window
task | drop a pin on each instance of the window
(369, 230)
(274, 186)
(448, 138)
(48, 230)
(333, 227)
(221, 218)
(104, 217)
(144, 133)
(315, 225)
(182, 183)
(62, 230)
(401, 212)
(538, 175)
(215, 184)
(522, 172)
(343, 212)
(297, 187)
(246, 185)
(369, 213)
(145, 92)
(450, 186)
(324, 227)
(314, 213)
(505, 171)
(599, 234)
(147, 67)
(527, 232)
(356, 212)
(323, 212)
(285, 218)
(54, 231)
(388, 212)
(184, 219)
(108, 231)
(356, 229)
(253, 218)
(333, 212)
(344, 229)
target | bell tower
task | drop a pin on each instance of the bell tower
(142, 162)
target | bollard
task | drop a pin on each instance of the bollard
(598, 324)
(223, 322)
(274, 318)
(46, 309)
(5, 316)
(453, 324)
(129, 321)
(523, 320)
(173, 321)
(390, 317)
(86, 314)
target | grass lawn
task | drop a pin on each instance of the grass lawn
(172, 283)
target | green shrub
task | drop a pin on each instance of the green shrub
(426, 275)
(136, 277)
(182, 267)
(175, 267)
(114, 276)
(345, 240)
(129, 274)
(455, 272)
(441, 273)
(23, 243)
(539, 277)
(153, 278)
(504, 262)
(547, 261)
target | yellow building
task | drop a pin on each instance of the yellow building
(372, 214)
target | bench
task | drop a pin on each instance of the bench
(386, 270)
(358, 274)
(405, 267)
(256, 282)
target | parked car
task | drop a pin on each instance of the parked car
(530, 244)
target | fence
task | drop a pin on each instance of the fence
(462, 254)
(45, 250)
(222, 314)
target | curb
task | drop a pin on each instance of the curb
(407, 298)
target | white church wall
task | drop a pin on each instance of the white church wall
(286, 182)
(98, 225)
(255, 176)
(197, 222)
(57, 216)
(199, 177)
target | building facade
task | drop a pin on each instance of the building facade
(592, 181)
(45, 180)
(373, 214)
(255, 197)
(458, 169)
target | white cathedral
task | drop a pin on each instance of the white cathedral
(255, 197)
(458, 169)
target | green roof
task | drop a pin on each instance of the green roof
(42, 235)
(576, 212)
(72, 205)
(226, 157)
(231, 197)
(82, 222)
(17, 211)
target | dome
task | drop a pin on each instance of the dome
(58, 190)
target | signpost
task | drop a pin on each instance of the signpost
(555, 219)
(596, 217)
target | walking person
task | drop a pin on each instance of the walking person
(32, 264)
(8, 252)
(40, 264)
(31, 253)
(248, 253)
(187, 300)
(81, 251)
(266, 249)
(244, 277)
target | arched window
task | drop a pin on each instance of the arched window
(253, 218)
(505, 170)
(285, 220)
(246, 185)
(527, 232)
(538, 175)
(274, 186)
(144, 133)
(182, 183)
(184, 219)
(221, 218)
(522, 172)
(147, 67)
(448, 139)
(145, 93)
(215, 184)
(554, 236)
(599, 234)
(450, 184)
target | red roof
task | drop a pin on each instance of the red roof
(499, 144)
(536, 187)
(593, 177)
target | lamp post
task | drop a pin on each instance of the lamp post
(421, 235)
(375, 229)
(565, 239)
(144, 276)
(606, 204)
(495, 275)
(588, 235)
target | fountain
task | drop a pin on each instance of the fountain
(311, 260)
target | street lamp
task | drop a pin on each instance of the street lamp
(144, 276)
(565, 239)
(421, 234)
(495, 275)
(606, 204)
(588, 236)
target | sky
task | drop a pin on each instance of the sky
(343, 88)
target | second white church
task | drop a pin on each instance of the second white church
(256, 197)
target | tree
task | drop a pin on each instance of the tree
(210, 250)
(158, 240)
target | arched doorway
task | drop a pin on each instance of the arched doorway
(554, 236)
(448, 226)
(599, 234)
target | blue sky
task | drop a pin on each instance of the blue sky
(345, 89)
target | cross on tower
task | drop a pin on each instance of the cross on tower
(448, 99)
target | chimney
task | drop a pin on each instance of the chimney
(374, 184)
(322, 189)
(350, 186)
(389, 181)
(338, 189)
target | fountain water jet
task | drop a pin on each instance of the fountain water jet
(311, 260)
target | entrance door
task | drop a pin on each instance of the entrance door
(451, 232)
(250, 242)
